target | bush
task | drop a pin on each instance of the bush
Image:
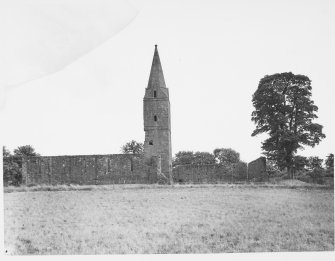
(12, 171)
(316, 175)
(330, 172)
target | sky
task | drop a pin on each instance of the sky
(88, 99)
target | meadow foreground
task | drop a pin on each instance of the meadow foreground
(181, 219)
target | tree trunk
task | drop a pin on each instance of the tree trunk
(290, 172)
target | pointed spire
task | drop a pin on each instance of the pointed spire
(156, 79)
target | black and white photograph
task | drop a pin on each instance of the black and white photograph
(150, 127)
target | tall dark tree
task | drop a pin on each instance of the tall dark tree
(284, 109)
(26, 150)
(132, 147)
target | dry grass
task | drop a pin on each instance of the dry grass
(162, 219)
(72, 187)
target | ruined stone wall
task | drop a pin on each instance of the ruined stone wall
(209, 173)
(89, 169)
(257, 170)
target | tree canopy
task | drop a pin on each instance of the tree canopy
(26, 150)
(203, 158)
(226, 156)
(300, 163)
(189, 157)
(285, 111)
(12, 164)
(314, 162)
(132, 147)
(222, 156)
(183, 158)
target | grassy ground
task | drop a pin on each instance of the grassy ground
(163, 219)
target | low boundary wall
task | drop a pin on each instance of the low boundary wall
(90, 169)
(209, 173)
(131, 169)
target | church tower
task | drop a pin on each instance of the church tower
(156, 112)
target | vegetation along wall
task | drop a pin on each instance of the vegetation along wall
(90, 169)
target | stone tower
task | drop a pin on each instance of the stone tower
(156, 112)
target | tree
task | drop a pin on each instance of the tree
(272, 168)
(26, 150)
(189, 157)
(12, 174)
(11, 168)
(133, 147)
(284, 109)
(203, 158)
(299, 163)
(314, 163)
(183, 158)
(330, 161)
(226, 156)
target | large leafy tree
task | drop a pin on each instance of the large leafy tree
(284, 109)
(132, 147)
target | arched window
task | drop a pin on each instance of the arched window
(155, 94)
(155, 118)
(151, 142)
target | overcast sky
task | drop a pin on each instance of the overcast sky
(213, 55)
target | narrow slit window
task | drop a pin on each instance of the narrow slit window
(155, 118)
(151, 142)
(131, 165)
(155, 94)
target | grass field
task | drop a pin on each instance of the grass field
(180, 219)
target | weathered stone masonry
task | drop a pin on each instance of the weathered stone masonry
(257, 169)
(157, 118)
(215, 173)
(90, 169)
(209, 173)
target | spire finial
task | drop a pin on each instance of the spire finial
(156, 46)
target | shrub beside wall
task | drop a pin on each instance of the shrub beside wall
(12, 171)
